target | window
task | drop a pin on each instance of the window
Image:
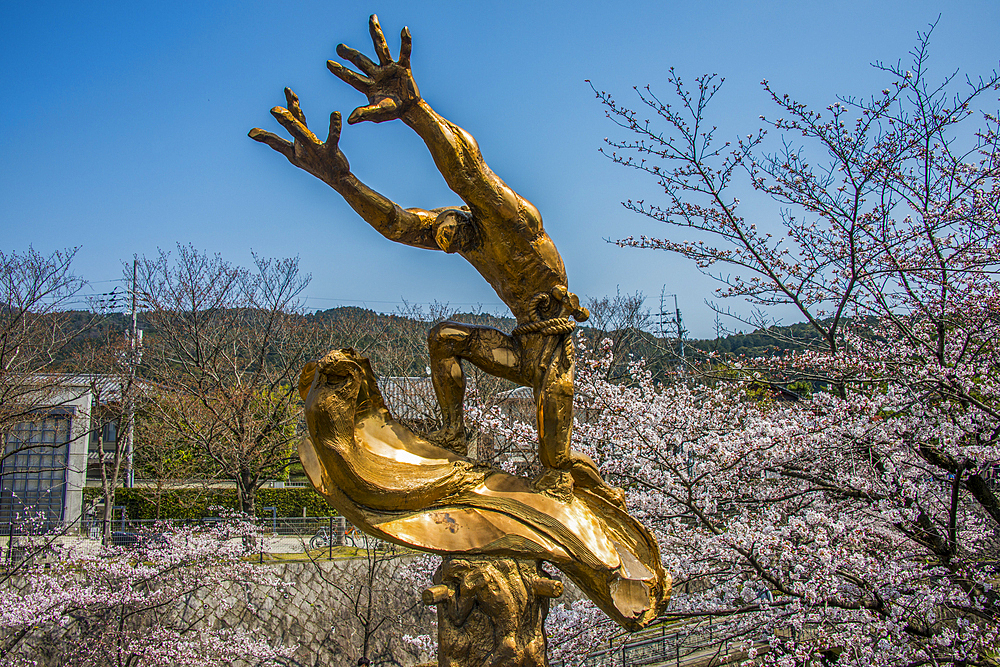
(33, 471)
(108, 433)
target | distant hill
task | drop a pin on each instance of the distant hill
(775, 340)
(397, 342)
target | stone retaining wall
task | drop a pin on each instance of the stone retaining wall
(325, 609)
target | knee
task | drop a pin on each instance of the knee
(446, 338)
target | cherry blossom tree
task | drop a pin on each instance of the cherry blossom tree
(575, 629)
(144, 605)
(860, 525)
(885, 205)
(804, 530)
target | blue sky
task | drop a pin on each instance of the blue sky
(124, 124)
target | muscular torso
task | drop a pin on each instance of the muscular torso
(515, 256)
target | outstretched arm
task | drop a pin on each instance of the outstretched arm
(325, 161)
(392, 93)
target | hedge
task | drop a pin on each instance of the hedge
(140, 503)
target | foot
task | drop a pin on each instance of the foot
(452, 439)
(587, 476)
(556, 484)
(611, 494)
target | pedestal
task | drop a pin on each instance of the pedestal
(491, 611)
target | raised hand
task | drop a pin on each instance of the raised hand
(388, 85)
(324, 160)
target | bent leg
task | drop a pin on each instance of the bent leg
(487, 348)
(554, 402)
(555, 420)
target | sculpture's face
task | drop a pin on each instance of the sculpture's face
(454, 231)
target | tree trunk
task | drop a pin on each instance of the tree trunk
(246, 490)
(108, 482)
(159, 498)
(107, 491)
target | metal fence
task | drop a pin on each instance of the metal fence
(31, 539)
(665, 645)
(282, 537)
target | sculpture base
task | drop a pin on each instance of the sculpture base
(491, 611)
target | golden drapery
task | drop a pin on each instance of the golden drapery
(394, 484)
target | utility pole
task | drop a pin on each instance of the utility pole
(677, 323)
(680, 330)
(134, 350)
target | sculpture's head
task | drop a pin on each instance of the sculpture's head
(453, 230)
(345, 374)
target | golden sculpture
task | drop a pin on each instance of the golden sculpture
(422, 491)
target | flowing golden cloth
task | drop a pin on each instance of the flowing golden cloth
(394, 484)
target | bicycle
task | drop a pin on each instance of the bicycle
(322, 539)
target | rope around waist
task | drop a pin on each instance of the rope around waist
(552, 327)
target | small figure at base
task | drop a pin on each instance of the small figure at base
(491, 611)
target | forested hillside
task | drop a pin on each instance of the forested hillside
(398, 340)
